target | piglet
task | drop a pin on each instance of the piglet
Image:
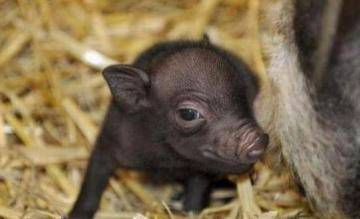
(182, 109)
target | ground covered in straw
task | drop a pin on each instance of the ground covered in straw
(53, 98)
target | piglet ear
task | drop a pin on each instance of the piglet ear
(128, 86)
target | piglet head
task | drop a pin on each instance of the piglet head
(199, 103)
(208, 96)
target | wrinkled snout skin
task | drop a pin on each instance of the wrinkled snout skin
(242, 142)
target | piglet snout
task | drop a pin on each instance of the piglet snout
(253, 148)
(243, 143)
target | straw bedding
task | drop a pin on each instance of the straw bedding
(53, 98)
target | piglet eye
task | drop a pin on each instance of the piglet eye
(188, 114)
(188, 119)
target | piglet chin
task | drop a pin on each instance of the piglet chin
(208, 152)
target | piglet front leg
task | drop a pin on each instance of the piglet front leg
(197, 192)
(100, 168)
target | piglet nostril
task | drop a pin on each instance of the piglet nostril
(264, 140)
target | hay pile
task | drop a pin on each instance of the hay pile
(53, 98)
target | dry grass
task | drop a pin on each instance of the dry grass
(53, 97)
